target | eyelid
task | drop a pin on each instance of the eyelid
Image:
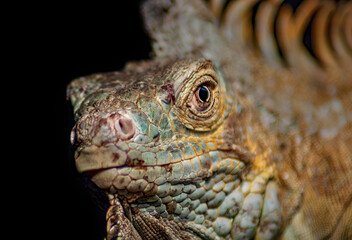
(195, 106)
(212, 116)
(193, 80)
(205, 80)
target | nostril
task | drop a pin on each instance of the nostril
(125, 128)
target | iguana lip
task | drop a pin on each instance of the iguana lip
(94, 158)
(136, 178)
(93, 172)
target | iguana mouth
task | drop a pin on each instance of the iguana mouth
(135, 176)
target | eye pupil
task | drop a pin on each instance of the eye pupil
(203, 93)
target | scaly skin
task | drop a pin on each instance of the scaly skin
(208, 141)
(180, 164)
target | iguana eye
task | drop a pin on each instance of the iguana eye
(203, 97)
(203, 93)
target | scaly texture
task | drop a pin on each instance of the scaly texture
(214, 138)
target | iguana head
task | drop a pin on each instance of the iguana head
(162, 139)
(161, 116)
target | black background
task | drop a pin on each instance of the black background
(79, 40)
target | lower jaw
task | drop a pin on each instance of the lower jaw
(222, 205)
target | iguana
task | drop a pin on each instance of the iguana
(237, 128)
